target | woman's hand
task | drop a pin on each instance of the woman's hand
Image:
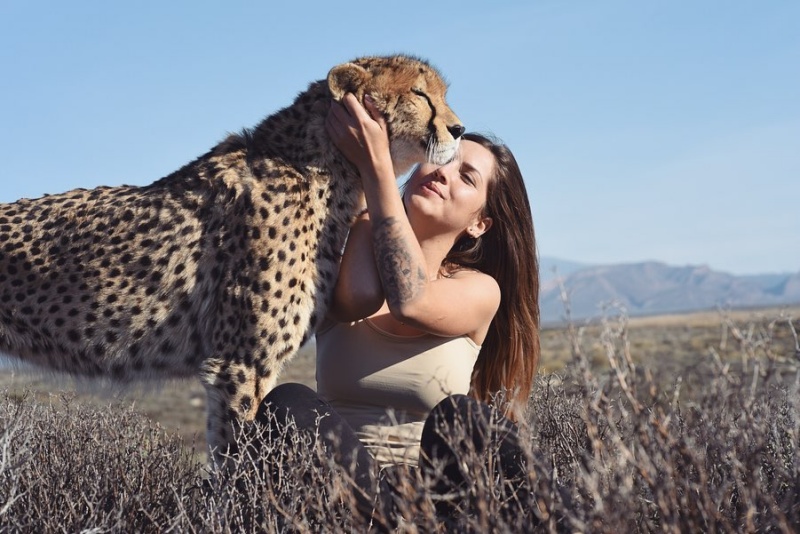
(361, 134)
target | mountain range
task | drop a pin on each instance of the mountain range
(652, 288)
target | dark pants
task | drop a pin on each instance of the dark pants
(444, 447)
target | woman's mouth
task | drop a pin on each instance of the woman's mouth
(432, 188)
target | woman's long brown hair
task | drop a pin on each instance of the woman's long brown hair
(509, 355)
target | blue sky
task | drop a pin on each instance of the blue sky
(645, 130)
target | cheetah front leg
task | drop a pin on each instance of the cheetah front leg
(234, 391)
(251, 348)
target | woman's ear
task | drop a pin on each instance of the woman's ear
(480, 227)
(346, 78)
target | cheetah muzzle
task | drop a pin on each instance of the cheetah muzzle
(220, 270)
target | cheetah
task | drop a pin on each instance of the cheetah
(220, 270)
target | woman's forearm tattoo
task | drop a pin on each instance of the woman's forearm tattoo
(401, 279)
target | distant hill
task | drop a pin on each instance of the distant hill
(548, 266)
(652, 288)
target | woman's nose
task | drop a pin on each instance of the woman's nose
(440, 174)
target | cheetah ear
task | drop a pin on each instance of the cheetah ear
(346, 78)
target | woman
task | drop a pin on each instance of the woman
(435, 314)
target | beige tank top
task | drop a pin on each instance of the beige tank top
(385, 385)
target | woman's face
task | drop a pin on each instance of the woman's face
(455, 193)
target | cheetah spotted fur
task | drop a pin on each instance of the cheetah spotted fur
(220, 270)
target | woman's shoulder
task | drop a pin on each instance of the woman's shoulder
(482, 287)
(472, 276)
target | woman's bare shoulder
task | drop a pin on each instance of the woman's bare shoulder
(465, 273)
(479, 282)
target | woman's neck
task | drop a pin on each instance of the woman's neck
(435, 250)
(435, 245)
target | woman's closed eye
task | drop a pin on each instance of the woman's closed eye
(469, 173)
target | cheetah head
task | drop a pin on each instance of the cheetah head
(411, 95)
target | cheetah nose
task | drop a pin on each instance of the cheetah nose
(457, 130)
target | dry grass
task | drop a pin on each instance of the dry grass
(178, 406)
(621, 439)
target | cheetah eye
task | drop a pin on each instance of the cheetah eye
(419, 92)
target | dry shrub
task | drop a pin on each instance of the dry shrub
(71, 468)
(624, 455)
(607, 452)
(275, 487)
(305, 492)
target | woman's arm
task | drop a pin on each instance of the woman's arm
(464, 303)
(358, 292)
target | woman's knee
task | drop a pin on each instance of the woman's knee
(459, 408)
(286, 398)
(454, 415)
(288, 392)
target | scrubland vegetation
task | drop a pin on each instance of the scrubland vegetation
(691, 427)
